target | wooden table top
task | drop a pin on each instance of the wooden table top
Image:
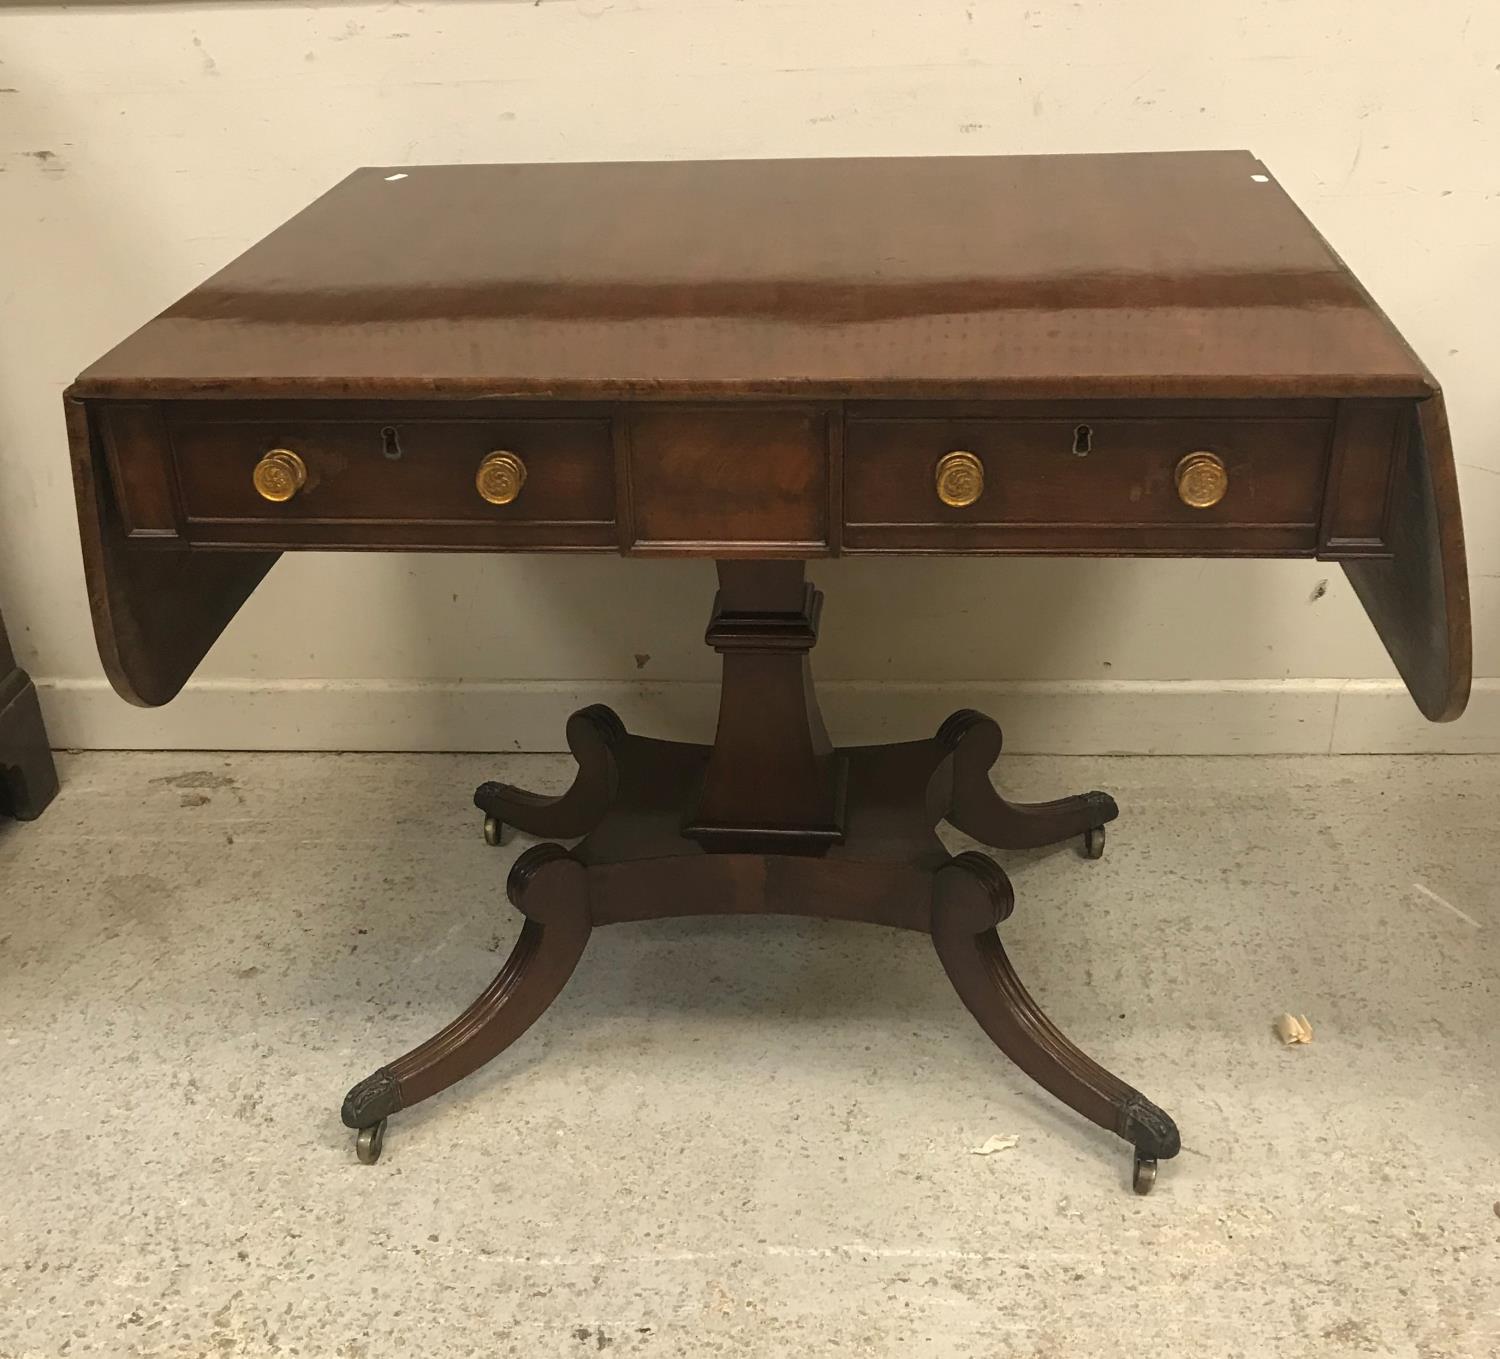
(772, 359)
(1185, 274)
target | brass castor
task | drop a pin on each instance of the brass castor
(369, 1141)
(1093, 842)
(494, 831)
(1144, 1176)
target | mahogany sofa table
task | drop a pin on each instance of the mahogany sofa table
(764, 362)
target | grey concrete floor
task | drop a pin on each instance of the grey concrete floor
(746, 1137)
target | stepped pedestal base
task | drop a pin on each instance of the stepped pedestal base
(771, 819)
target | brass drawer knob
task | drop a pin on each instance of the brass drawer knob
(1202, 480)
(959, 479)
(279, 475)
(500, 478)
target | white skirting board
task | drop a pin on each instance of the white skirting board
(1062, 718)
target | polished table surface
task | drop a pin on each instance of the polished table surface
(765, 362)
(1049, 276)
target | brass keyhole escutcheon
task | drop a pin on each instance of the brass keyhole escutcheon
(279, 475)
(500, 478)
(1202, 480)
(959, 479)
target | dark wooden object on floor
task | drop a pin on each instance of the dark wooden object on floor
(28, 776)
(766, 362)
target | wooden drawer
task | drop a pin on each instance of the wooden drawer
(793, 479)
(373, 479)
(1082, 483)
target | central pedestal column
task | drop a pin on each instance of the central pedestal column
(773, 781)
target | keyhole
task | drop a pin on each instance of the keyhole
(390, 443)
(1083, 441)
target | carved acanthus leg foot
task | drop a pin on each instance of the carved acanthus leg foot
(373, 1100)
(971, 896)
(550, 888)
(593, 734)
(979, 811)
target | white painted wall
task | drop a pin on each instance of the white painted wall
(143, 145)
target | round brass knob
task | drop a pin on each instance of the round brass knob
(959, 479)
(279, 475)
(500, 478)
(1202, 480)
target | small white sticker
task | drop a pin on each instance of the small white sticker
(1259, 179)
(391, 179)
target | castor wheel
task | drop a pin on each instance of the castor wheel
(369, 1141)
(1093, 842)
(494, 831)
(1144, 1176)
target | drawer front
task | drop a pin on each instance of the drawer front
(1078, 486)
(731, 479)
(399, 481)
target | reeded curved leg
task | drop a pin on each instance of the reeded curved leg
(971, 896)
(980, 812)
(593, 733)
(551, 888)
